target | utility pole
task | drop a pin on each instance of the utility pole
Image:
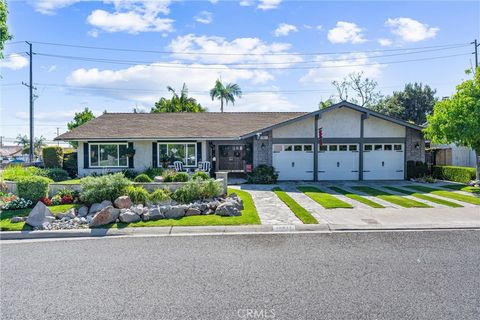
(31, 88)
(58, 133)
(476, 45)
(1, 141)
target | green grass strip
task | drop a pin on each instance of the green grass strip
(398, 200)
(425, 197)
(297, 209)
(447, 194)
(324, 199)
(357, 197)
(462, 187)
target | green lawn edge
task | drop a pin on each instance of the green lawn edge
(297, 209)
(461, 187)
(324, 199)
(398, 200)
(356, 197)
(425, 197)
(446, 194)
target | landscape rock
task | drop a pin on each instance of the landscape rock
(123, 202)
(227, 209)
(17, 219)
(70, 213)
(129, 217)
(138, 209)
(193, 212)
(107, 215)
(173, 212)
(39, 215)
(96, 207)
(153, 214)
(213, 204)
(83, 211)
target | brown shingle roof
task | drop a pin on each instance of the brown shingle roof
(176, 125)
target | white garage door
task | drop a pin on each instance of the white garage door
(293, 161)
(383, 161)
(338, 162)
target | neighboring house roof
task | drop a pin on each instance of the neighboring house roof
(210, 125)
(8, 151)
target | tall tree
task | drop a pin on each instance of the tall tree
(4, 35)
(79, 119)
(357, 89)
(38, 144)
(326, 103)
(457, 118)
(414, 103)
(178, 103)
(226, 93)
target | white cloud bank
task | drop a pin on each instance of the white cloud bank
(14, 62)
(410, 30)
(346, 32)
(204, 17)
(50, 7)
(284, 29)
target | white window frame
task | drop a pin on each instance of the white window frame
(105, 144)
(185, 159)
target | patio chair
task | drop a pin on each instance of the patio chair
(178, 165)
(205, 166)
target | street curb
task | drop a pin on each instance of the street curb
(218, 230)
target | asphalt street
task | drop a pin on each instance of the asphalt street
(392, 275)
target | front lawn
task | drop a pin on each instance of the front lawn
(5, 216)
(462, 187)
(326, 200)
(425, 197)
(297, 209)
(446, 194)
(357, 197)
(398, 200)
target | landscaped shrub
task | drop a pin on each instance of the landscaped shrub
(200, 175)
(197, 190)
(137, 194)
(15, 172)
(52, 157)
(153, 172)
(56, 174)
(142, 178)
(33, 188)
(263, 174)
(70, 164)
(129, 173)
(416, 169)
(107, 187)
(160, 195)
(453, 173)
(181, 177)
(168, 175)
(56, 200)
(16, 203)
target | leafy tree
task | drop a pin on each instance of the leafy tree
(80, 118)
(178, 103)
(364, 90)
(38, 144)
(412, 104)
(326, 103)
(4, 35)
(457, 118)
(225, 93)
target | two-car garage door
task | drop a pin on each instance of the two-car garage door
(384, 161)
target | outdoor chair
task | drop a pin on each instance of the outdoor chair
(178, 165)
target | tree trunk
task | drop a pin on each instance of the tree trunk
(221, 105)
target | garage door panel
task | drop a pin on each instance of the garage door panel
(383, 162)
(338, 162)
(293, 162)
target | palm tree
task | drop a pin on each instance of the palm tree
(225, 93)
(178, 103)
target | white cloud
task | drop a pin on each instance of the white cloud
(93, 33)
(246, 3)
(263, 102)
(59, 116)
(214, 1)
(133, 17)
(344, 65)
(284, 29)
(410, 30)
(51, 6)
(319, 27)
(14, 62)
(384, 42)
(53, 67)
(204, 17)
(268, 4)
(345, 32)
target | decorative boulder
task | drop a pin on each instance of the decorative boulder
(96, 207)
(173, 212)
(83, 211)
(193, 212)
(39, 215)
(71, 213)
(153, 214)
(213, 204)
(227, 209)
(138, 209)
(107, 215)
(123, 202)
(128, 216)
(17, 219)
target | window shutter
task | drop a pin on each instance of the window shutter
(130, 159)
(154, 155)
(199, 152)
(85, 156)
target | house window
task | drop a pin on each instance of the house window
(342, 147)
(323, 148)
(297, 147)
(307, 147)
(387, 147)
(103, 155)
(352, 147)
(287, 148)
(367, 147)
(397, 147)
(277, 148)
(332, 147)
(184, 152)
(378, 147)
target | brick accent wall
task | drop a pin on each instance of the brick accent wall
(414, 137)
(262, 155)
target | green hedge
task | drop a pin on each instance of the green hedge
(70, 164)
(416, 169)
(452, 173)
(33, 188)
(52, 157)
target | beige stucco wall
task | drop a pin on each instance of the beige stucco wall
(376, 127)
(299, 129)
(340, 123)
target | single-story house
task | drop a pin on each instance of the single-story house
(342, 142)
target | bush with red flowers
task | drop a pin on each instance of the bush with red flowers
(46, 201)
(67, 199)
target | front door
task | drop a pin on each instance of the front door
(231, 157)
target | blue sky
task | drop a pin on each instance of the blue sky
(338, 36)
